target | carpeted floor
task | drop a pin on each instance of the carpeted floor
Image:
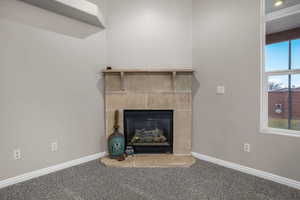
(203, 181)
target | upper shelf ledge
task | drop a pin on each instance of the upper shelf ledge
(147, 69)
(81, 10)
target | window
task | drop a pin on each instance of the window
(281, 91)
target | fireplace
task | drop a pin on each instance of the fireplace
(149, 131)
(155, 90)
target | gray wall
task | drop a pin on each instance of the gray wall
(226, 51)
(48, 87)
(50, 90)
(149, 33)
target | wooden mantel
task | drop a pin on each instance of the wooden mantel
(147, 69)
(123, 71)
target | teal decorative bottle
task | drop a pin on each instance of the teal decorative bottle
(116, 141)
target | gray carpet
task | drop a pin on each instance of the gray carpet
(203, 181)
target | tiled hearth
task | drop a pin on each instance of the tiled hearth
(151, 161)
(152, 89)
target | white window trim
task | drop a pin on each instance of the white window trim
(264, 128)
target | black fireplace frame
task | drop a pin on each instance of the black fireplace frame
(155, 148)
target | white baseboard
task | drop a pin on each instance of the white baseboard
(248, 170)
(48, 170)
(241, 168)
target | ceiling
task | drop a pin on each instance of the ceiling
(284, 23)
(287, 3)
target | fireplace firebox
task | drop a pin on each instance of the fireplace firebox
(149, 131)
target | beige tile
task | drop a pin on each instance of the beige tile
(183, 101)
(161, 100)
(160, 82)
(137, 82)
(114, 163)
(114, 101)
(182, 132)
(151, 161)
(136, 100)
(109, 123)
(121, 121)
(153, 91)
(183, 82)
(127, 100)
(112, 82)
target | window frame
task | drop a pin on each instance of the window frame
(264, 128)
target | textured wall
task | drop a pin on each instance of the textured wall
(48, 84)
(226, 51)
(149, 33)
(48, 87)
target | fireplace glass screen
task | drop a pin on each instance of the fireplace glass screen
(149, 131)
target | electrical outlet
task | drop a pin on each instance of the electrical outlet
(247, 147)
(17, 154)
(54, 146)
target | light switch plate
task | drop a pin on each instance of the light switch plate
(221, 89)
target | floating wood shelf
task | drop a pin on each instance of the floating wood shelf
(146, 70)
(81, 10)
(173, 72)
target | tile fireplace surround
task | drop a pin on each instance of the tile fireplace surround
(152, 89)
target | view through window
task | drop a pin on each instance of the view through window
(282, 64)
(280, 110)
